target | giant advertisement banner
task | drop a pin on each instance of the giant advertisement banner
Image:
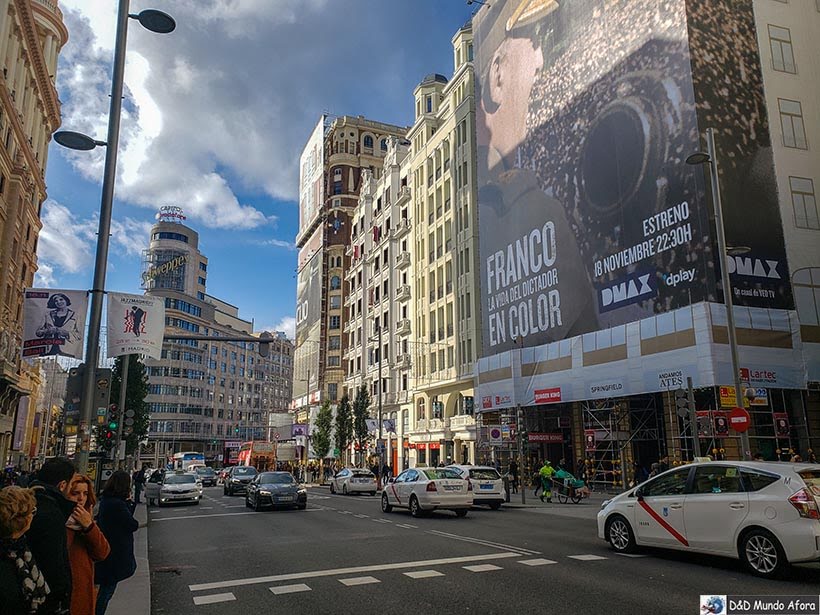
(311, 176)
(589, 217)
(53, 322)
(308, 326)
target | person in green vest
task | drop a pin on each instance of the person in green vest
(546, 473)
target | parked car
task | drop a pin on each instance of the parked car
(238, 478)
(172, 488)
(766, 514)
(272, 489)
(423, 490)
(206, 475)
(353, 480)
(488, 485)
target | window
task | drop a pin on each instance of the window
(335, 283)
(335, 322)
(335, 302)
(755, 481)
(335, 342)
(791, 121)
(333, 361)
(673, 483)
(804, 203)
(368, 141)
(332, 391)
(384, 145)
(201, 280)
(780, 40)
(806, 285)
(717, 479)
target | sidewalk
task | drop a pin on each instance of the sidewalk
(133, 596)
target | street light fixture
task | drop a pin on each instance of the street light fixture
(161, 23)
(710, 157)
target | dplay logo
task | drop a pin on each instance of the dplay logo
(684, 276)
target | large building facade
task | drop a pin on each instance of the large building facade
(205, 396)
(32, 33)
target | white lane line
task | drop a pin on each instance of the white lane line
(424, 574)
(482, 568)
(208, 516)
(206, 508)
(214, 598)
(636, 555)
(289, 589)
(359, 581)
(586, 558)
(486, 543)
(415, 527)
(362, 516)
(405, 526)
(536, 562)
(236, 506)
(346, 512)
(382, 520)
(352, 570)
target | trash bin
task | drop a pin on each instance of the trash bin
(506, 487)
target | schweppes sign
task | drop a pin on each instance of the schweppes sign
(165, 267)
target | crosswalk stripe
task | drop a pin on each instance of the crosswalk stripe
(537, 562)
(424, 574)
(214, 598)
(586, 558)
(289, 589)
(482, 568)
(359, 581)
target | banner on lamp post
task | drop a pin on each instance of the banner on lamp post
(53, 321)
(136, 325)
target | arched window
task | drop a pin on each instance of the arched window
(384, 145)
(339, 261)
(368, 141)
(421, 413)
(337, 174)
(335, 283)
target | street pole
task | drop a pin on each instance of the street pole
(121, 406)
(104, 229)
(727, 287)
(381, 448)
(693, 418)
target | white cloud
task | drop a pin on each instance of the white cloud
(44, 278)
(286, 324)
(279, 243)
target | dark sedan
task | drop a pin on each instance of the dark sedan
(238, 479)
(206, 476)
(272, 489)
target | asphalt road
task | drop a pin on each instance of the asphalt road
(343, 555)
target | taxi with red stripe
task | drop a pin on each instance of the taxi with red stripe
(766, 514)
(423, 490)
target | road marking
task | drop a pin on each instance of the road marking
(362, 516)
(346, 512)
(482, 568)
(382, 520)
(404, 525)
(214, 598)
(236, 506)
(359, 581)
(586, 558)
(352, 570)
(536, 562)
(424, 574)
(636, 555)
(415, 527)
(204, 516)
(206, 508)
(289, 589)
(486, 543)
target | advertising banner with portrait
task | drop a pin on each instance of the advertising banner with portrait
(136, 325)
(308, 326)
(311, 176)
(53, 322)
(589, 217)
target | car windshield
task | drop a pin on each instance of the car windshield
(245, 471)
(180, 479)
(276, 478)
(485, 474)
(205, 471)
(441, 473)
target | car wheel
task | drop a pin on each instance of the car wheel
(386, 507)
(247, 502)
(332, 488)
(344, 489)
(415, 507)
(619, 534)
(762, 554)
(461, 512)
(495, 505)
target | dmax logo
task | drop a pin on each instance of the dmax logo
(683, 276)
(632, 290)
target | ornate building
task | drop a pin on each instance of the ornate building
(32, 34)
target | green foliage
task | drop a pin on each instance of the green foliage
(344, 425)
(137, 391)
(322, 434)
(361, 405)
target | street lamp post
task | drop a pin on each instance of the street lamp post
(711, 157)
(161, 23)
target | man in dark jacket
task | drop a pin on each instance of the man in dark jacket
(47, 536)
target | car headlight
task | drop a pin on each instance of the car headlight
(605, 503)
(264, 492)
(235, 480)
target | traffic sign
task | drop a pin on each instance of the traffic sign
(276, 436)
(739, 419)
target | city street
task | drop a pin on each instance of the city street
(343, 555)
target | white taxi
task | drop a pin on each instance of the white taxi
(423, 490)
(766, 514)
(488, 486)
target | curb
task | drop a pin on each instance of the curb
(133, 596)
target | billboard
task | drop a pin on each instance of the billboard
(136, 325)
(589, 217)
(308, 325)
(53, 322)
(311, 176)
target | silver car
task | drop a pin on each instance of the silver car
(173, 488)
(423, 490)
(353, 480)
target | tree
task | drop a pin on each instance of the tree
(323, 433)
(344, 426)
(136, 391)
(361, 413)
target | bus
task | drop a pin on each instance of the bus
(186, 461)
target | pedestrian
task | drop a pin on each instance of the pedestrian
(545, 474)
(23, 588)
(796, 458)
(536, 477)
(24, 479)
(138, 478)
(116, 520)
(663, 464)
(758, 456)
(47, 536)
(86, 544)
(513, 472)
(639, 473)
(812, 458)
(655, 469)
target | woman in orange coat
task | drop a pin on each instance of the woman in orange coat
(86, 545)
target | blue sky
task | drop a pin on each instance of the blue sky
(215, 117)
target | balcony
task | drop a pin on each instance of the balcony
(462, 422)
(402, 228)
(403, 260)
(403, 327)
(403, 196)
(403, 292)
(403, 361)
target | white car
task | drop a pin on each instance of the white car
(765, 514)
(423, 490)
(488, 486)
(172, 488)
(353, 480)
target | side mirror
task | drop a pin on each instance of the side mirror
(639, 494)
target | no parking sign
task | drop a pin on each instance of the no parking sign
(494, 434)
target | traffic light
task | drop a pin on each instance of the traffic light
(109, 435)
(264, 344)
(113, 417)
(236, 429)
(682, 402)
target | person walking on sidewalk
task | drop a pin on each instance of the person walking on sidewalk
(86, 544)
(546, 473)
(116, 520)
(138, 478)
(513, 470)
(23, 588)
(47, 536)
